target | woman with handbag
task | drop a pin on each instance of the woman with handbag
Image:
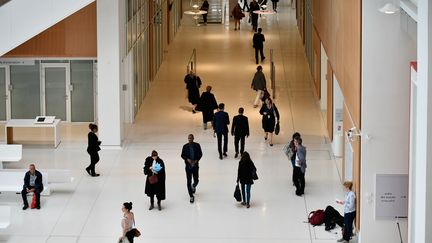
(246, 174)
(92, 149)
(154, 168)
(127, 224)
(270, 117)
(237, 14)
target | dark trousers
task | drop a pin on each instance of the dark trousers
(254, 22)
(36, 192)
(191, 172)
(152, 199)
(94, 158)
(261, 51)
(238, 139)
(205, 18)
(299, 180)
(274, 5)
(219, 141)
(293, 165)
(348, 225)
(245, 5)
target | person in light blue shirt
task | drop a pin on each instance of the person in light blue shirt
(349, 211)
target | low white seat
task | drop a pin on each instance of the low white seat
(10, 153)
(5, 212)
(12, 180)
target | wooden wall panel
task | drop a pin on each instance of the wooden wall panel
(329, 78)
(338, 23)
(316, 51)
(74, 36)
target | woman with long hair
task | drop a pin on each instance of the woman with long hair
(246, 174)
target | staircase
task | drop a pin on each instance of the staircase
(215, 12)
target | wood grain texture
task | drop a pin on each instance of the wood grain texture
(329, 78)
(316, 45)
(75, 36)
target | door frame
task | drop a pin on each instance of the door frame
(8, 90)
(67, 90)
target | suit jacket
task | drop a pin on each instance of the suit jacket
(301, 154)
(38, 182)
(93, 143)
(258, 40)
(186, 152)
(240, 126)
(221, 122)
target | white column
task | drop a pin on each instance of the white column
(109, 71)
(420, 218)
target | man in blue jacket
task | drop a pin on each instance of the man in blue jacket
(220, 126)
(32, 183)
(191, 153)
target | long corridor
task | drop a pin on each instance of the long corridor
(89, 210)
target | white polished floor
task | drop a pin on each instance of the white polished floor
(89, 209)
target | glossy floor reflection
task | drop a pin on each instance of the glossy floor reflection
(89, 209)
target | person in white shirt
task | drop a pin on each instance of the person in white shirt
(349, 211)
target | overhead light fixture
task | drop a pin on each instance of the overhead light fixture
(389, 8)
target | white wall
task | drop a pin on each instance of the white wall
(386, 53)
(20, 20)
(109, 49)
(323, 101)
(421, 183)
(338, 103)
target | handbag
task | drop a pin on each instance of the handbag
(277, 128)
(237, 193)
(153, 179)
(254, 175)
(124, 239)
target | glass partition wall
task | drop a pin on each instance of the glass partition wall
(61, 88)
(145, 40)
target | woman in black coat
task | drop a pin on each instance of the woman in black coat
(207, 105)
(270, 115)
(154, 186)
(92, 149)
(245, 175)
(193, 83)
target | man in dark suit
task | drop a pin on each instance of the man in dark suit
(258, 43)
(32, 183)
(191, 153)
(240, 130)
(220, 126)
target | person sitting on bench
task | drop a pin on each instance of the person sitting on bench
(32, 183)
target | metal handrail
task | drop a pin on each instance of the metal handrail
(192, 63)
(272, 74)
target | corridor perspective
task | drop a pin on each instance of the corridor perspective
(89, 209)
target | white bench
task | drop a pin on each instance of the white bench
(5, 212)
(10, 153)
(12, 180)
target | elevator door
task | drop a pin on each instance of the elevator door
(55, 86)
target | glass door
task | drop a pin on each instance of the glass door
(56, 90)
(3, 94)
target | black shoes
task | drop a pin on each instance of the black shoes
(193, 189)
(95, 175)
(220, 157)
(192, 199)
(151, 206)
(88, 171)
(236, 155)
(225, 154)
(262, 59)
(159, 207)
(37, 207)
(25, 207)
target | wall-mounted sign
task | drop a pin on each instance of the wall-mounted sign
(391, 192)
(21, 62)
